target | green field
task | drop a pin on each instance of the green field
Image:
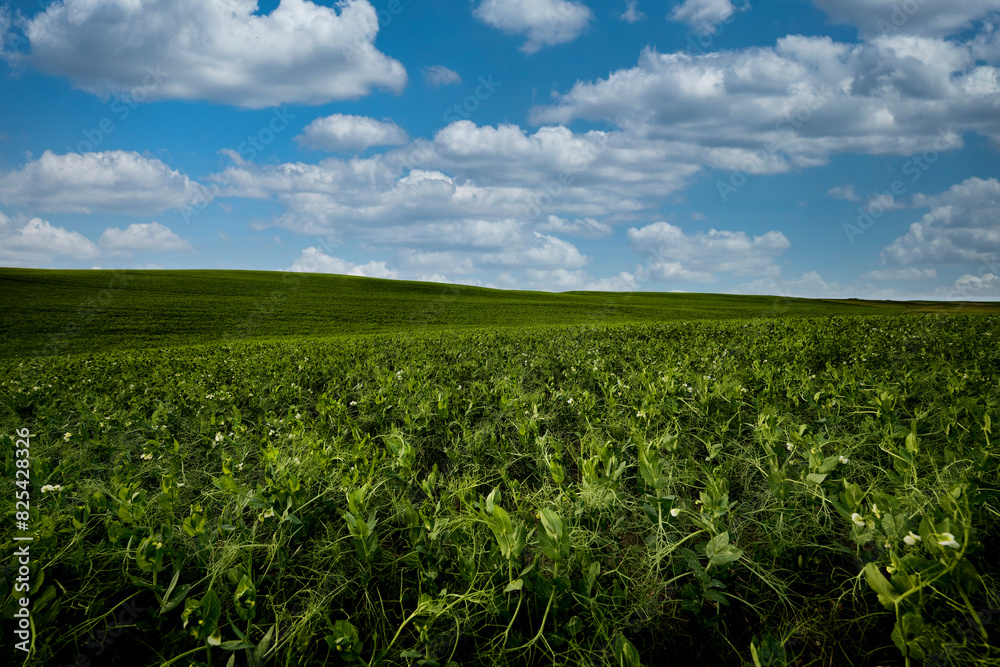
(240, 468)
(45, 312)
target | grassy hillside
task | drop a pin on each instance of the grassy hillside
(48, 312)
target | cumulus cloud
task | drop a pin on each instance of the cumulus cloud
(632, 13)
(901, 274)
(472, 173)
(963, 226)
(797, 103)
(148, 237)
(918, 17)
(111, 182)
(705, 16)
(544, 22)
(809, 285)
(341, 132)
(215, 50)
(588, 228)
(39, 242)
(844, 192)
(970, 288)
(439, 75)
(314, 260)
(565, 280)
(699, 257)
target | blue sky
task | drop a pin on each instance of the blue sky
(821, 148)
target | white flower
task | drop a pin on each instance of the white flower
(267, 514)
(789, 446)
(51, 487)
(354, 402)
(296, 459)
(640, 413)
(67, 437)
(219, 437)
(949, 541)
(569, 402)
(858, 521)
(180, 485)
(675, 512)
(147, 456)
(912, 538)
(844, 459)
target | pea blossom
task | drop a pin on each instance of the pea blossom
(948, 541)
(912, 538)
(858, 521)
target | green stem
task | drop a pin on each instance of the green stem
(183, 655)
(548, 607)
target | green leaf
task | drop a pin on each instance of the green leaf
(171, 601)
(514, 586)
(716, 543)
(815, 478)
(829, 463)
(625, 653)
(264, 644)
(886, 593)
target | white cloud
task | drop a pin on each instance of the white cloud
(963, 226)
(471, 173)
(314, 260)
(972, 288)
(215, 50)
(920, 17)
(845, 192)
(420, 260)
(5, 24)
(38, 242)
(565, 280)
(705, 16)
(341, 132)
(901, 274)
(588, 228)
(699, 257)
(544, 22)
(632, 13)
(148, 237)
(112, 182)
(771, 109)
(439, 75)
(809, 285)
